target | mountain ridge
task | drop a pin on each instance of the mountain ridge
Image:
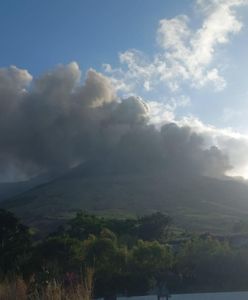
(197, 203)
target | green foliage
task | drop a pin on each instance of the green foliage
(110, 247)
(128, 256)
(148, 228)
(154, 227)
(84, 224)
(126, 227)
(59, 255)
(108, 260)
(14, 243)
(151, 257)
(152, 261)
(205, 262)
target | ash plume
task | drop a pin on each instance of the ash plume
(56, 121)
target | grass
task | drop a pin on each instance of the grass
(11, 290)
(18, 289)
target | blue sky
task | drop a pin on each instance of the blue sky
(186, 58)
(40, 34)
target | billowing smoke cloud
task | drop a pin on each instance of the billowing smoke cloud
(56, 122)
(174, 149)
(51, 125)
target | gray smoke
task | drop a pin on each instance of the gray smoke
(55, 122)
(172, 148)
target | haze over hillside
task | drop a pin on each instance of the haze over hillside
(197, 203)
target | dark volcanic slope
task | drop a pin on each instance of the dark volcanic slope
(198, 203)
(11, 189)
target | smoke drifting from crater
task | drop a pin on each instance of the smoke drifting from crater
(55, 122)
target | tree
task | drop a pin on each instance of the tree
(149, 266)
(84, 225)
(205, 262)
(108, 261)
(15, 243)
(154, 227)
(59, 254)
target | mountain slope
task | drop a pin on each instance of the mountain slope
(195, 202)
(11, 189)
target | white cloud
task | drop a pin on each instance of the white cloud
(186, 56)
(160, 113)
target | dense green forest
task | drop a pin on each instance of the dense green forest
(125, 256)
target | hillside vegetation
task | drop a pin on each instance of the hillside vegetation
(195, 202)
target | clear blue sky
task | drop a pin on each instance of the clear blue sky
(37, 35)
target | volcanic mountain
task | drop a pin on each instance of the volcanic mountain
(197, 203)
